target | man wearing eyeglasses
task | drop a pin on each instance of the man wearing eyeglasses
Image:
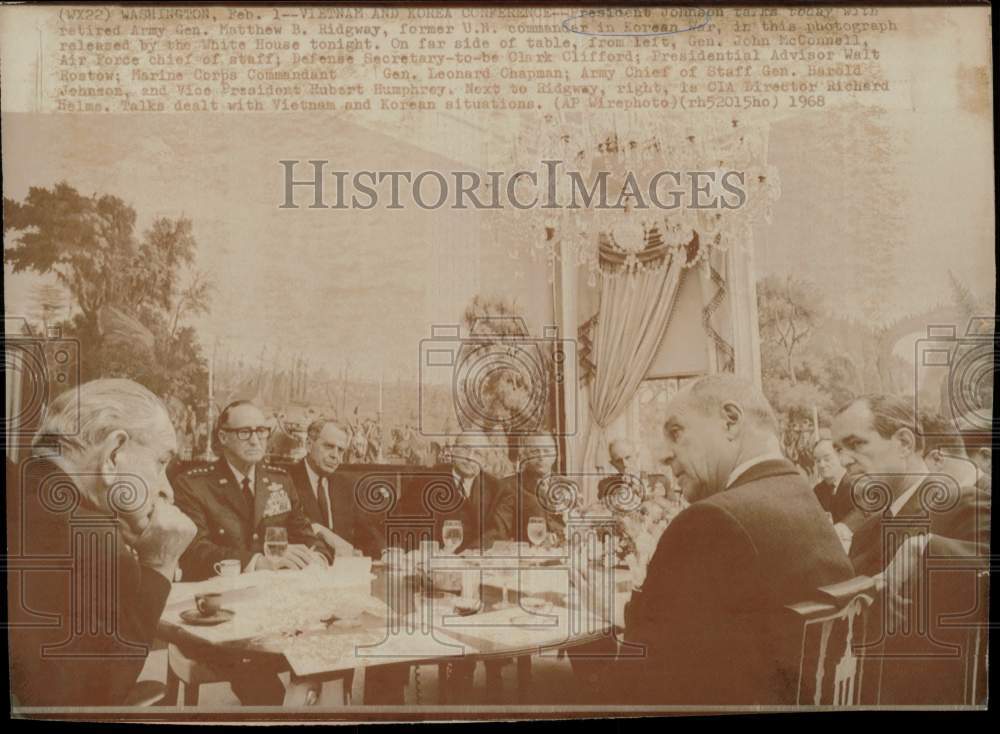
(234, 501)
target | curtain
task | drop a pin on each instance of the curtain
(635, 308)
(716, 319)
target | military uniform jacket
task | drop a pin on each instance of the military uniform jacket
(228, 527)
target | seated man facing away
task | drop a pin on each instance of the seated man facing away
(101, 457)
(710, 611)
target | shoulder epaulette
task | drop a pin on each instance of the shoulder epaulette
(278, 469)
(196, 471)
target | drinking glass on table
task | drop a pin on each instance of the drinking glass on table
(275, 542)
(452, 534)
(501, 574)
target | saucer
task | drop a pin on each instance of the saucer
(465, 607)
(535, 605)
(193, 616)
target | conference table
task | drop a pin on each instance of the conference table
(327, 624)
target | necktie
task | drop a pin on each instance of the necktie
(324, 504)
(247, 492)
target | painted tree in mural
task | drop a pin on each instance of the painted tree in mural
(129, 297)
(812, 360)
(850, 232)
(787, 312)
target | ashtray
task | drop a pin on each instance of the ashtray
(465, 606)
(535, 605)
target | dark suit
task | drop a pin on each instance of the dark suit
(104, 668)
(839, 502)
(961, 528)
(434, 493)
(919, 667)
(228, 526)
(711, 613)
(340, 499)
(519, 502)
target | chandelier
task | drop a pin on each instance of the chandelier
(628, 150)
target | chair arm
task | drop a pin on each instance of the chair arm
(841, 593)
(146, 693)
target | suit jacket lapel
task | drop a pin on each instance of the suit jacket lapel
(260, 494)
(476, 490)
(914, 505)
(343, 517)
(867, 544)
(309, 504)
(472, 507)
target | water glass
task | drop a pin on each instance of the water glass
(275, 542)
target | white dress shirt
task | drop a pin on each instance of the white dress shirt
(240, 476)
(898, 503)
(836, 483)
(320, 484)
(465, 483)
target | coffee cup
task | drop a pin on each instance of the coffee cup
(209, 604)
(228, 567)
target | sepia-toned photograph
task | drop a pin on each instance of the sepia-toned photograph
(443, 362)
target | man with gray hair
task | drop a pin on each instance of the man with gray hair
(630, 481)
(95, 493)
(533, 491)
(710, 609)
(328, 504)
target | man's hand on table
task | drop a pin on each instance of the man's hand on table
(295, 557)
(340, 546)
(163, 540)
